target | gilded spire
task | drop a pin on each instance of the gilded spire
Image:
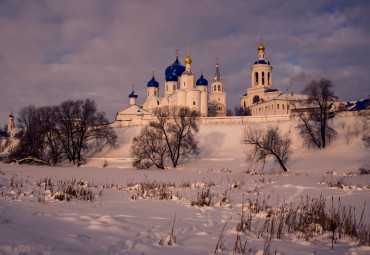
(133, 87)
(188, 60)
(217, 76)
(153, 73)
(177, 53)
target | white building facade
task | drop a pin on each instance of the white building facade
(181, 88)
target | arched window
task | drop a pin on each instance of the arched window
(215, 88)
(263, 78)
(219, 88)
(256, 77)
(166, 87)
(155, 92)
(244, 104)
(222, 88)
(256, 99)
(174, 87)
(269, 78)
(193, 102)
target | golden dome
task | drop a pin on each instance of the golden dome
(188, 60)
(261, 48)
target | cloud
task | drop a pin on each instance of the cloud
(57, 50)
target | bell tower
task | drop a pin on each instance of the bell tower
(11, 124)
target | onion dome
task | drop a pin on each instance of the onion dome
(176, 67)
(201, 81)
(188, 59)
(171, 76)
(132, 95)
(153, 83)
(261, 48)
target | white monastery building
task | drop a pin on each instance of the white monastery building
(181, 89)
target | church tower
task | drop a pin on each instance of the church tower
(11, 127)
(132, 96)
(202, 85)
(261, 86)
(217, 96)
(187, 79)
(153, 88)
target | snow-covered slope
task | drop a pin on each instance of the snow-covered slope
(125, 219)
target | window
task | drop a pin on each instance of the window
(184, 84)
(263, 78)
(215, 88)
(256, 78)
(174, 87)
(256, 99)
(219, 88)
(155, 92)
(282, 106)
(277, 106)
(222, 88)
(287, 107)
(269, 78)
(166, 87)
(244, 104)
(272, 107)
(193, 102)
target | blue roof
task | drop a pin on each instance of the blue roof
(360, 105)
(245, 94)
(171, 77)
(176, 68)
(262, 62)
(153, 83)
(271, 90)
(201, 81)
(132, 95)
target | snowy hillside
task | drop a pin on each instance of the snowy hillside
(119, 210)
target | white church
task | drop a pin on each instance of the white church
(180, 89)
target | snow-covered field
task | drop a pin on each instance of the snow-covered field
(133, 211)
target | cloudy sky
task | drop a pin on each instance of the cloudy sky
(54, 50)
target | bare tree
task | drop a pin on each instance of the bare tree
(242, 111)
(79, 126)
(315, 112)
(149, 148)
(53, 133)
(267, 143)
(171, 137)
(177, 125)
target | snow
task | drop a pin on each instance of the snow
(122, 221)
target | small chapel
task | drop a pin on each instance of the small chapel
(181, 88)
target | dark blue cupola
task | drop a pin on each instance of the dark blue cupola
(176, 67)
(171, 77)
(153, 83)
(132, 95)
(201, 81)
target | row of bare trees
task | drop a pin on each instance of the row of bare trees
(66, 131)
(168, 139)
